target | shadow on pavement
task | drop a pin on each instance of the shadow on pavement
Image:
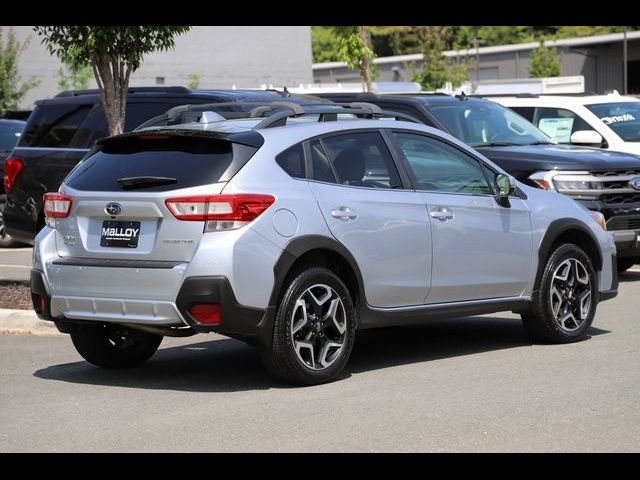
(629, 276)
(229, 365)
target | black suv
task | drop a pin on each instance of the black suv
(61, 130)
(589, 175)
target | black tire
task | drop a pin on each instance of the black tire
(113, 346)
(540, 322)
(5, 239)
(281, 360)
(625, 264)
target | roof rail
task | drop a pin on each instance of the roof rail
(204, 113)
(133, 90)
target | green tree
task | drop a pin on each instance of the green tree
(74, 77)
(193, 81)
(354, 48)
(12, 89)
(324, 44)
(113, 52)
(545, 62)
(436, 70)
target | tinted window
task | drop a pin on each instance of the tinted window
(292, 161)
(362, 160)
(440, 167)
(479, 124)
(190, 161)
(559, 123)
(55, 126)
(322, 169)
(9, 135)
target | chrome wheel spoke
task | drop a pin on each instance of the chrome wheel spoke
(331, 319)
(329, 353)
(585, 304)
(309, 358)
(300, 308)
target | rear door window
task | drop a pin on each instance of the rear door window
(187, 161)
(56, 126)
(362, 160)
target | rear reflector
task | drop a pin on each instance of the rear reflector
(57, 205)
(227, 211)
(206, 313)
(12, 167)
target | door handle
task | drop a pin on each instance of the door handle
(441, 214)
(343, 213)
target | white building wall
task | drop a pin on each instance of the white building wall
(222, 56)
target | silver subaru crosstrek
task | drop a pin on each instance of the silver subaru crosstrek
(294, 227)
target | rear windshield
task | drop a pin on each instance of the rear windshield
(176, 161)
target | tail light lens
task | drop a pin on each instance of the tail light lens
(12, 167)
(57, 205)
(221, 212)
(206, 313)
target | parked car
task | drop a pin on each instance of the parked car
(273, 230)
(61, 131)
(600, 180)
(10, 131)
(611, 122)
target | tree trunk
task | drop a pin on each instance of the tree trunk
(113, 82)
(365, 70)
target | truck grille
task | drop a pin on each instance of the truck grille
(625, 222)
(611, 187)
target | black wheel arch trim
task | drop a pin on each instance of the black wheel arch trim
(304, 244)
(554, 231)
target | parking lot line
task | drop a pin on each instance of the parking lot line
(2, 265)
(14, 250)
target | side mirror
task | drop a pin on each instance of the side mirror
(586, 137)
(505, 185)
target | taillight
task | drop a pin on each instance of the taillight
(221, 212)
(57, 205)
(12, 167)
(206, 313)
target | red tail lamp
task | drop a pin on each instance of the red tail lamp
(206, 313)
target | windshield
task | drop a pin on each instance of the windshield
(622, 117)
(481, 124)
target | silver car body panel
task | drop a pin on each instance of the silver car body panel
(405, 258)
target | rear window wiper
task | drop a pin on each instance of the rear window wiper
(130, 183)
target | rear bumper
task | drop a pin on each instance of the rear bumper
(21, 222)
(627, 244)
(250, 324)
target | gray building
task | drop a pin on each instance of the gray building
(220, 56)
(599, 59)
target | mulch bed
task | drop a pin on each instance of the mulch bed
(15, 295)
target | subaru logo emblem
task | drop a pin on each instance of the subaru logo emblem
(116, 209)
(635, 183)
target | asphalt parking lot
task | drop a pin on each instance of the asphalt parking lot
(472, 384)
(15, 263)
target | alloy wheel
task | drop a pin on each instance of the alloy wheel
(318, 327)
(570, 295)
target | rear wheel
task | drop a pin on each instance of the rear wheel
(114, 346)
(314, 329)
(625, 264)
(5, 239)
(564, 302)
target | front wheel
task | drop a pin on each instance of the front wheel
(114, 346)
(314, 329)
(564, 302)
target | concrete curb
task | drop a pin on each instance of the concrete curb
(24, 322)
